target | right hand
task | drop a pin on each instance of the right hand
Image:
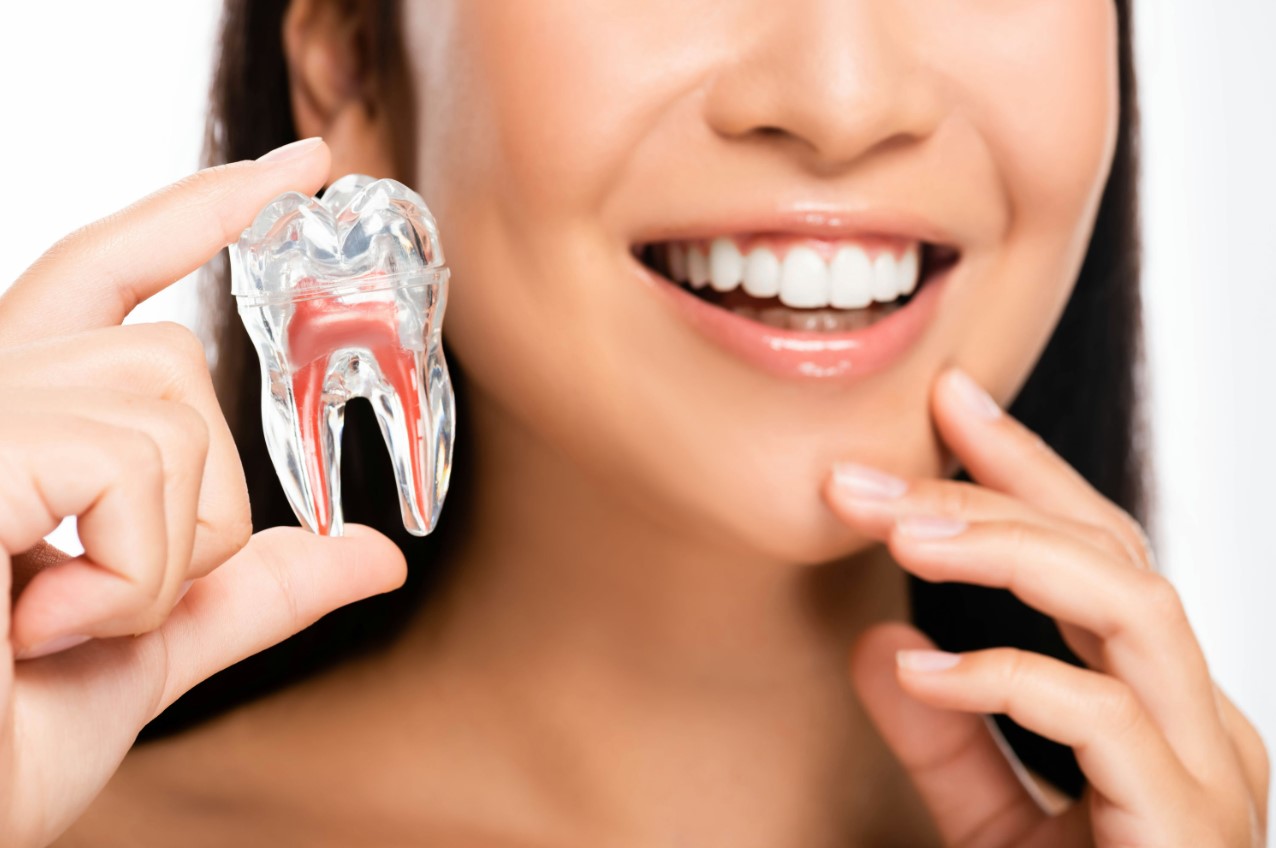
(119, 426)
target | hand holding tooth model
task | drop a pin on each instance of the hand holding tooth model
(343, 296)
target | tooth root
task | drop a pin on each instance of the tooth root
(303, 438)
(388, 351)
(415, 433)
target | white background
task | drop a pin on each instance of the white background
(105, 101)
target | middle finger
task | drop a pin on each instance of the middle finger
(164, 361)
(1145, 636)
(181, 436)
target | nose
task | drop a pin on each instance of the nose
(833, 79)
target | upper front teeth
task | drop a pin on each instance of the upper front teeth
(803, 280)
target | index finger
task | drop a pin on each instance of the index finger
(1003, 454)
(97, 274)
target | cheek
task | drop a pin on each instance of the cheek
(546, 99)
(1046, 103)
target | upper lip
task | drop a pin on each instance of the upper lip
(807, 220)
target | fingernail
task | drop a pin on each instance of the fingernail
(922, 660)
(294, 150)
(974, 397)
(859, 481)
(52, 646)
(931, 526)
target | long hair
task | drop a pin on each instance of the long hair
(1083, 397)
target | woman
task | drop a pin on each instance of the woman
(681, 545)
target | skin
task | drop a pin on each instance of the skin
(667, 626)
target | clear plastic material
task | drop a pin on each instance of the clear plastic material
(343, 296)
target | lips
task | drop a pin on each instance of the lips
(796, 305)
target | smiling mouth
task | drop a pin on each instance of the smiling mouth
(802, 284)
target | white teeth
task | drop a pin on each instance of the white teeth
(851, 279)
(762, 273)
(885, 278)
(697, 268)
(726, 265)
(804, 279)
(909, 270)
(677, 260)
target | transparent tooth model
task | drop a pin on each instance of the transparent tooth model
(343, 296)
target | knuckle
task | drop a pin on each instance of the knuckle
(1118, 709)
(951, 499)
(150, 617)
(1105, 540)
(235, 531)
(138, 455)
(172, 353)
(1018, 535)
(191, 427)
(176, 424)
(1013, 666)
(1037, 443)
(1132, 538)
(1159, 599)
(178, 339)
(240, 529)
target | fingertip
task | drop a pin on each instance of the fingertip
(873, 653)
(383, 549)
(294, 151)
(305, 165)
(963, 392)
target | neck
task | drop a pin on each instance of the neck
(585, 615)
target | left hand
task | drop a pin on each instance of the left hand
(1169, 758)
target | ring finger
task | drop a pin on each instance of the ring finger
(1121, 750)
(1147, 640)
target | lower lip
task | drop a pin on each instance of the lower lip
(835, 357)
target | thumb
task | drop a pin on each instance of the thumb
(969, 786)
(283, 581)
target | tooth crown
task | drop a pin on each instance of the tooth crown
(343, 296)
(360, 234)
(801, 278)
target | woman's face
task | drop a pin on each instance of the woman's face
(807, 148)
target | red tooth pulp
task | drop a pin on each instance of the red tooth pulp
(322, 326)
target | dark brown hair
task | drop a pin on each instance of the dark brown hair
(1083, 397)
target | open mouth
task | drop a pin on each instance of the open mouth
(806, 285)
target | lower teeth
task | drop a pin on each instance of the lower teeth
(817, 321)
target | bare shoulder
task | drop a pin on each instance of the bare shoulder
(150, 800)
(293, 768)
